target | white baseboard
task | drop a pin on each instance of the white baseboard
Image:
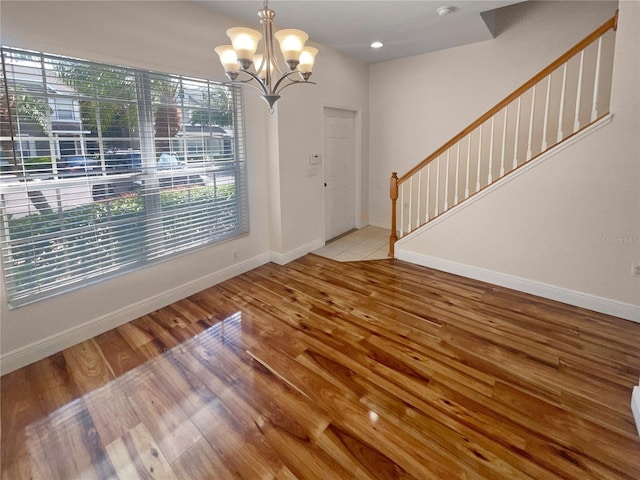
(571, 297)
(635, 407)
(291, 255)
(48, 346)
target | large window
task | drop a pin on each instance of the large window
(104, 169)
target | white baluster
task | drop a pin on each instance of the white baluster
(455, 197)
(596, 84)
(576, 121)
(517, 136)
(466, 188)
(410, 203)
(446, 185)
(401, 210)
(418, 202)
(546, 115)
(504, 140)
(479, 159)
(426, 214)
(435, 213)
(533, 107)
(490, 175)
(562, 95)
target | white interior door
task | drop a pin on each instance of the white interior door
(339, 171)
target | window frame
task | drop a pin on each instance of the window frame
(157, 185)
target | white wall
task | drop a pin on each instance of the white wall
(419, 103)
(570, 224)
(179, 37)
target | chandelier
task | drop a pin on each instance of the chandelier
(263, 71)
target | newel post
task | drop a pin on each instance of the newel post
(393, 193)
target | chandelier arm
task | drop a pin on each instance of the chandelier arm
(285, 76)
(243, 82)
(295, 82)
(263, 90)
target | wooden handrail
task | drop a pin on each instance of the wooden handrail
(582, 44)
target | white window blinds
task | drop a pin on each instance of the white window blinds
(105, 169)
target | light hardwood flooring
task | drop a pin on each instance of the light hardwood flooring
(328, 370)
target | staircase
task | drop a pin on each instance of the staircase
(562, 100)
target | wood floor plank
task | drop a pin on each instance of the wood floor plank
(120, 355)
(291, 412)
(459, 421)
(202, 462)
(111, 411)
(88, 366)
(237, 442)
(320, 369)
(564, 427)
(362, 460)
(136, 456)
(66, 446)
(19, 408)
(170, 427)
(53, 383)
(190, 311)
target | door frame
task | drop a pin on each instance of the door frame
(357, 165)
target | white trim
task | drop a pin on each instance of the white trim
(533, 287)
(291, 255)
(500, 182)
(43, 348)
(635, 406)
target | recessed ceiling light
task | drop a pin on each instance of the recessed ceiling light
(442, 11)
(377, 44)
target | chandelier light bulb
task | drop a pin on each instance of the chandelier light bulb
(245, 43)
(229, 60)
(291, 44)
(266, 75)
(307, 59)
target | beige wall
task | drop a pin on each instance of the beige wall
(573, 221)
(179, 37)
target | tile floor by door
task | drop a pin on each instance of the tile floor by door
(368, 243)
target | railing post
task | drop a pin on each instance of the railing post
(393, 193)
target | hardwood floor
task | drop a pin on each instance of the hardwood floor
(320, 369)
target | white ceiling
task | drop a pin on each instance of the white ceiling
(406, 27)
